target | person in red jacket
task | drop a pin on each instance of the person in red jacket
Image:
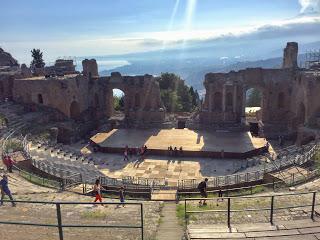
(10, 164)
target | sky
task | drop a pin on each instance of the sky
(106, 27)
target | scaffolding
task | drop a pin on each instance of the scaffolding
(312, 59)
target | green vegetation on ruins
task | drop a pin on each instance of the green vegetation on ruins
(37, 59)
(175, 95)
(254, 98)
(118, 103)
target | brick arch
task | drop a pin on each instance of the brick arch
(217, 101)
(301, 114)
(74, 110)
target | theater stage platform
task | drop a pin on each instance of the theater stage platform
(194, 142)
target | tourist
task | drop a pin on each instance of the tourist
(5, 190)
(121, 195)
(202, 187)
(145, 148)
(10, 163)
(5, 161)
(267, 146)
(220, 195)
(125, 154)
(175, 151)
(170, 150)
(181, 151)
(97, 191)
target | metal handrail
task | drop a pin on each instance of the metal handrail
(228, 210)
(60, 226)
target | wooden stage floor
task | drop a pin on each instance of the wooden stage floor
(190, 140)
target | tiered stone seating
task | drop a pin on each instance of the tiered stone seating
(61, 163)
(299, 229)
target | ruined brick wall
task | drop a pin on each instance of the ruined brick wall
(306, 99)
(75, 94)
(142, 97)
(226, 95)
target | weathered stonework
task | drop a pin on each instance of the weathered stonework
(290, 96)
(74, 94)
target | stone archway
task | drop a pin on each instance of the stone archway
(74, 110)
(301, 114)
(40, 99)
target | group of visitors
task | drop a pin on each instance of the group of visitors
(98, 196)
(8, 162)
(129, 152)
(175, 152)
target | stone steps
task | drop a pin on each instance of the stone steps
(300, 229)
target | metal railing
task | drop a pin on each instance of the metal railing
(239, 191)
(229, 209)
(234, 179)
(60, 226)
(214, 182)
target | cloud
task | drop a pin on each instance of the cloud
(304, 27)
(310, 6)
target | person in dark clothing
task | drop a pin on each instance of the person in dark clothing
(175, 151)
(121, 195)
(145, 148)
(181, 151)
(202, 187)
(170, 151)
(5, 190)
(220, 195)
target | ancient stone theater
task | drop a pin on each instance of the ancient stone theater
(290, 95)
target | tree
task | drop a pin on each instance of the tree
(184, 97)
(176, 95)
(254, 98)
(118, 103)
(37, 60)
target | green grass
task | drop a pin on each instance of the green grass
(241, 192)
(95, 214)
(316, 159)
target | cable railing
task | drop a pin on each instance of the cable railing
(228, 209)
(60, 225)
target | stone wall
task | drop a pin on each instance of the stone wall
(75, 94)
(290, 96)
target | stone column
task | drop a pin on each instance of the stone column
(224, 102)
(234, 98)
(224, 98)
(243, 107)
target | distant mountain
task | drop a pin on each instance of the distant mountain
(195, 63)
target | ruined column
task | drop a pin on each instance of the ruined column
(90, 68)
(290, 55)
(234, 98)
(224, 98)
